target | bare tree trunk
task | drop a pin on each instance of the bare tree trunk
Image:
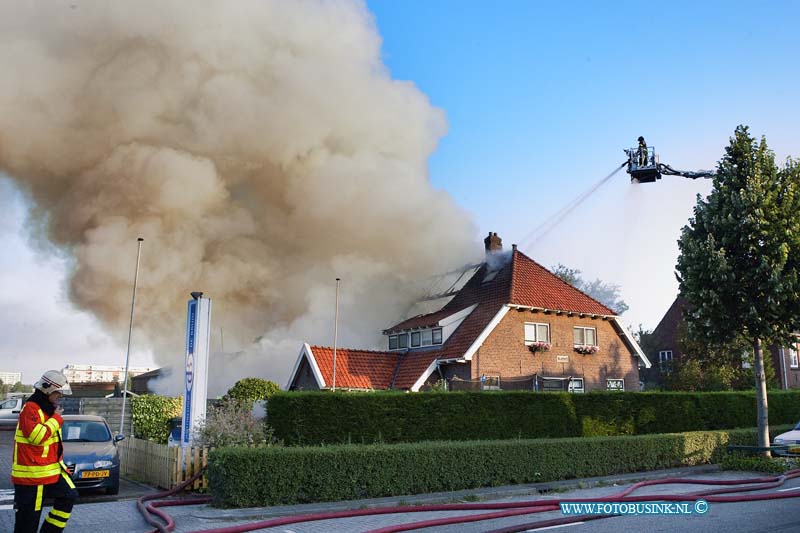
(761, 396)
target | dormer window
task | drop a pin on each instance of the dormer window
(398, 342)
(416, 339)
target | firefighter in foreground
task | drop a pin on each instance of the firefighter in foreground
(38, 470)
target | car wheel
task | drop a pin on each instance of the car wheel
(113, 489)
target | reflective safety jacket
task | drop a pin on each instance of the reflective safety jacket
(37, 447)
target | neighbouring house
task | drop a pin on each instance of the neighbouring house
(665, 337)
(513, 325)
(140, 384)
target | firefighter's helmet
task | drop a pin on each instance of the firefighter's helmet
(53, 381)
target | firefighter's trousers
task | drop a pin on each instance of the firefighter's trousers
(28, 505)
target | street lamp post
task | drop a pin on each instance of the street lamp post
(130, 331)
(335, 333)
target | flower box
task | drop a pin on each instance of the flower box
(539, 346)
(586, 349)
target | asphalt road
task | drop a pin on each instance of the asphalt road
(127, 489)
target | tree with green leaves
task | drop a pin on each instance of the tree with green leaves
(251, 390)
(605, 293)
(725, 365)
(739, 261)
(20, 387)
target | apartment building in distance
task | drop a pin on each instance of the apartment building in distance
(10, 378)
(101, 373)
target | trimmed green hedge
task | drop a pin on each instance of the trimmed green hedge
(311, 418)
(246, 477)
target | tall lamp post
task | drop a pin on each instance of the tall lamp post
(335, 333)
(130, 331)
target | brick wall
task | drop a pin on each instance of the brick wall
(504, 352)
(792, 378)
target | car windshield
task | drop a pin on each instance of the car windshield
(84, 431)
(797, 427)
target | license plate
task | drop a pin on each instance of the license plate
(94, 473)
(795, 449)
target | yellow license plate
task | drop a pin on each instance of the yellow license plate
(794, 450)
(94, 473)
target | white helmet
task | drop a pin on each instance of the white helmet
(53, 381)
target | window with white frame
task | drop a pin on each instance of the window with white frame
(490, 382)
(664, 359)
(584, 336)
(793, 363)
(398, 342)
(536, 333)
(416, 339)
(615, 384)
(575, 385)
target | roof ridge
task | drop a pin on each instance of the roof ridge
(351, 349)
(547, 270)
(513, 283)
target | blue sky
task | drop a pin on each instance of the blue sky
(540, 99)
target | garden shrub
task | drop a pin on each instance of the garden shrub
(751, 463)
(151, 416)
(243, 477)
(231, 423)
(251, 390)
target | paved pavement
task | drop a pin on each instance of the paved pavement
(122, 516)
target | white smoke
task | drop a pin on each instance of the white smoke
(260, 148)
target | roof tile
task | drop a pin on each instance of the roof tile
(356, 369)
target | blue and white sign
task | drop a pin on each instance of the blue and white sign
(198, 332)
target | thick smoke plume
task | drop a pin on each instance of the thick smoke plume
(260, 148)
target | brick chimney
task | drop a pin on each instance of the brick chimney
(493, 243)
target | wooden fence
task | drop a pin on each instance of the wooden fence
(161, 465)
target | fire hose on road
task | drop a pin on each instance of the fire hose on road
(727, 494)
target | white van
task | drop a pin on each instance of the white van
(9, 411)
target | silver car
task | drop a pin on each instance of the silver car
(790, 438)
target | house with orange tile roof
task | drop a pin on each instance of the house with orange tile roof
(513, 325)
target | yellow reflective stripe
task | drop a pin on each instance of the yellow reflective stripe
(34, 433)
(35, 471)
(38, 434)
(41, 416)
(50, 441)
(45, 450)
(57, 523)
(60, 514)
(39, 493)
(38, 468)
(53, 425)
(68, 480)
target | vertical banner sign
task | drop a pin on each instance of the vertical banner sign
(198, 332)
